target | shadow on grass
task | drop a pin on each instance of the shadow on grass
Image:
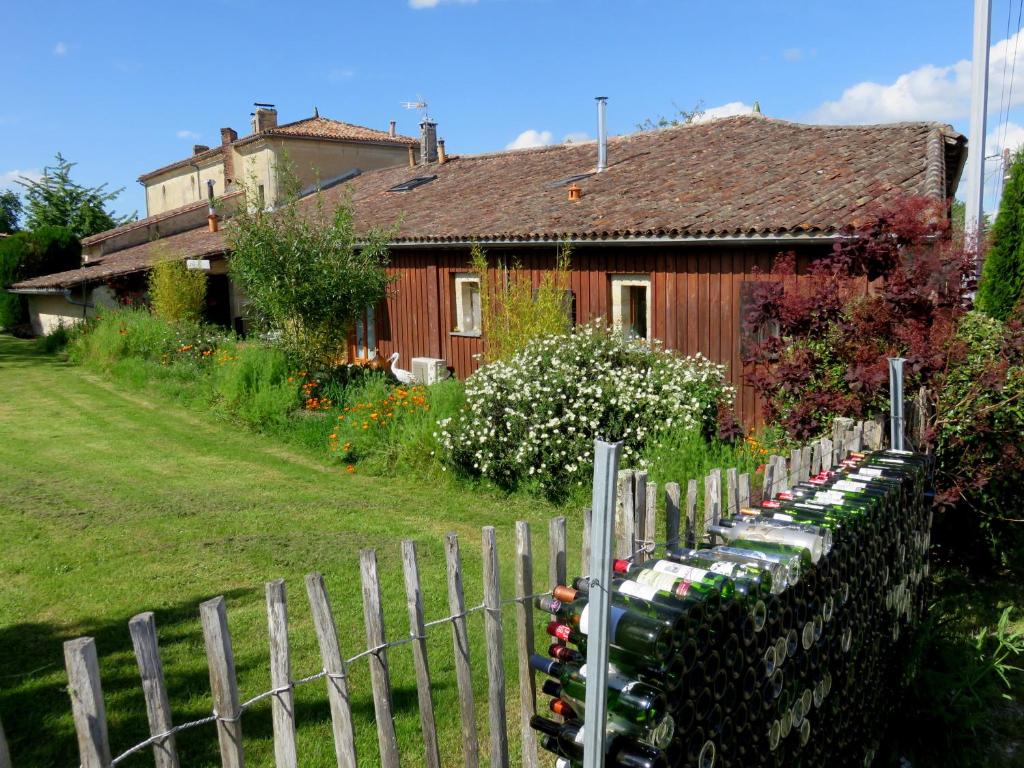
(35, 708)
(23, 352)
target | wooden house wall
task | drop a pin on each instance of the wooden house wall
(695, 295)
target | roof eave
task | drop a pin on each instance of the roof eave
(787, 238)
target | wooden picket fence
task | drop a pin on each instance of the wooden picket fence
(636, 538)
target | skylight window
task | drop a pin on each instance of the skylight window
(570, 180)
(406, 186)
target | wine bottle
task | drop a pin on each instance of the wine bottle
(630, 700)
(755, 527)
(630, 631)
(763, 575)
(569, 603)
(621, 750)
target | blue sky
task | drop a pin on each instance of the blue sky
(122, 88)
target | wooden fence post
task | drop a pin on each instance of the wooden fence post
(768, 484)
(414, 607)
(827, 454)
(5, 753)
(524, 640)
(650, 519)
(639, 515)
(334, 666)
(283, 701)
(781, 476)
(588, 517)
(743, 491)
(815, 457)
(672, 514)
(872, 435)
(625, 518)
(691, 513)
(712, 502)
(732, 488)
(495, 651)
(158, 706)
(796, 469)
(380, 677)
(557, 567)
(460, 639)
(221, 660)
(87, 702)
(806, 456)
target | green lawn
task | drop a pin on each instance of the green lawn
(114, 502)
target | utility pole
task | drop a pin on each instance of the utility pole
(979, 110)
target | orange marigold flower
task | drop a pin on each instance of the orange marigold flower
(350, 469)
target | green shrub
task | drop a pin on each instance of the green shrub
(536, 415)
(382, 428)
(979, 420)
(12, 306)
(54, 341)
(252, 382)
(514, 313)
(177, 293)
(136, 333)
(1002, 275)
(50, 249)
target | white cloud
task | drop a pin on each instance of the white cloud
(60, 49)
(418, 4)
(792, 54)
(183, 134)
(9, 179)
(531, 138)
(929, 92)
(575, 137)
(725, 110)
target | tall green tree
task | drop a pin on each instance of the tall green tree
(1002, 276)
(57, 200)
(10, 211)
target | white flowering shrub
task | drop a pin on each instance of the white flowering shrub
(537, 413)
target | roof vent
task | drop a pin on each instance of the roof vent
(602, 134)
(575, 193)
(411, 184)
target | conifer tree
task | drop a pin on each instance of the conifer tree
(1002, 276)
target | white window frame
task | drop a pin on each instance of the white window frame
(463, 284)
(366, 334)
(620, 285)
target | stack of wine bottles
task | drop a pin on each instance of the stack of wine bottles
(784, 645)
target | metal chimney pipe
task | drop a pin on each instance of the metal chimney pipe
(602, 134)
(896, 403)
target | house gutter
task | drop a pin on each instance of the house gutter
(639, 240)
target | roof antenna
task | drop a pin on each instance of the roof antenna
(316, 112)
(420, 103)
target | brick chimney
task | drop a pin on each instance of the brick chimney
(442, 158)
(227, 136)
(263, 119)
(391, 129)
(428, 142)
(199, 149)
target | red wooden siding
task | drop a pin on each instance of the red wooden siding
(695, 293)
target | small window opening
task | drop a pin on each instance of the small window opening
(419, 181)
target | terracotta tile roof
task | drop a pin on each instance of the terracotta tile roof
(731, 177)
(325, 128)
(740, 176)
(310, 128)
(196, 243)
(129, 226)
(208, 154)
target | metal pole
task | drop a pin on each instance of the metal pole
(979, 109)
(896, 403)
(602, 533)
(602, 134)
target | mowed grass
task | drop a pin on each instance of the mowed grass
(114, 502)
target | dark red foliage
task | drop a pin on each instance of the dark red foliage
(893, 285)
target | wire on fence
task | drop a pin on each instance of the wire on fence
(323, 673)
